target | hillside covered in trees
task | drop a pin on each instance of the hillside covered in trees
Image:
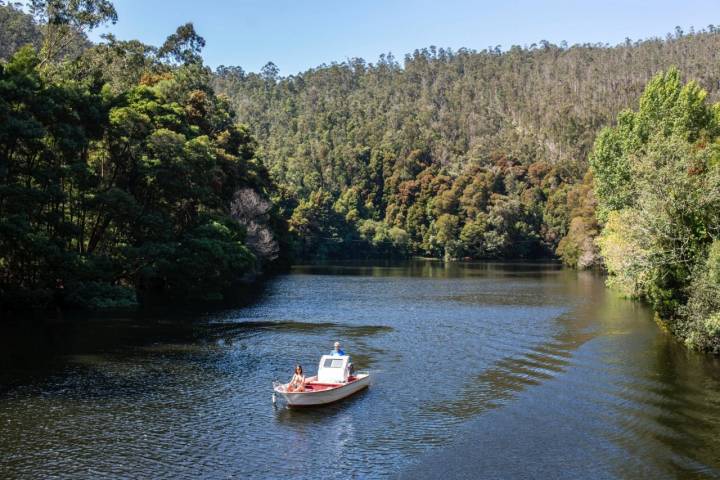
(601, 156)
(123, 177)
(452, 153)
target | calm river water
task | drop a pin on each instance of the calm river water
(480, 371)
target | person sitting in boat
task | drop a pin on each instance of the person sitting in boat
(297, 382)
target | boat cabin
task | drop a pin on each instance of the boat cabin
(334, 369)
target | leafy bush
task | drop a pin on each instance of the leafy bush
(659, 195)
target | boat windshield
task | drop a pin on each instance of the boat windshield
(333, 363)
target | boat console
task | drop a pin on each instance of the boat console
(333, 369)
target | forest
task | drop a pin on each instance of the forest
(124, 179)
(455, 154)
(131, 172)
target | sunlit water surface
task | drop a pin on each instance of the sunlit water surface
(480, 371)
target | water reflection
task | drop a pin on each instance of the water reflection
(673, 405)
(434, 269)
(610, 396)
(309, 416)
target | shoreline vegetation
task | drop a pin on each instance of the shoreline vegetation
(133, 175)
(125, 179)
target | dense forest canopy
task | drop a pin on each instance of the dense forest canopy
(123, 177)
(456, 153)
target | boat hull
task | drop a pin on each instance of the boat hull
(311, 398)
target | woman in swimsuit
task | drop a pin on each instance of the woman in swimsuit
(297, 383)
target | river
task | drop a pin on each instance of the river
(480, 370)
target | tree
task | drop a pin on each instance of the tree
(183, 46)
(658, 243)
(119, 190)
(447, 227)
(17, 29)
(472, 238)
(577, 246)
(318, 228)
(667, 109)
(700, 320)
(63, 21)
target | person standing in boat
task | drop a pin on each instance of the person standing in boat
(337, 350)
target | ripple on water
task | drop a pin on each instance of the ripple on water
(511, 371)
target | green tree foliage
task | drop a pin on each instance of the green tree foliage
(64, 23)
(577, 204)
(658, 188)
(183, 46)
(114, 190)
(318, 227)
(700, 319)
(17, 29)
(498, 140)
(667, 109)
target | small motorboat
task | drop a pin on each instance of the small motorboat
(333, 382)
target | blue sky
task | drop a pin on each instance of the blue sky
(300, 34)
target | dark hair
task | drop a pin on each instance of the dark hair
(298, 366)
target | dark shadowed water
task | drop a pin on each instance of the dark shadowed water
(480, 371)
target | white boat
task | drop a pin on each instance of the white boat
(332, 383)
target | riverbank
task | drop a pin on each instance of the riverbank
(243, 293)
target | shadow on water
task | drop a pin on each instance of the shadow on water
(34, 353)
(511, 375)
(501, 299)
(350, 331)
(537, 363)
(612, 397)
